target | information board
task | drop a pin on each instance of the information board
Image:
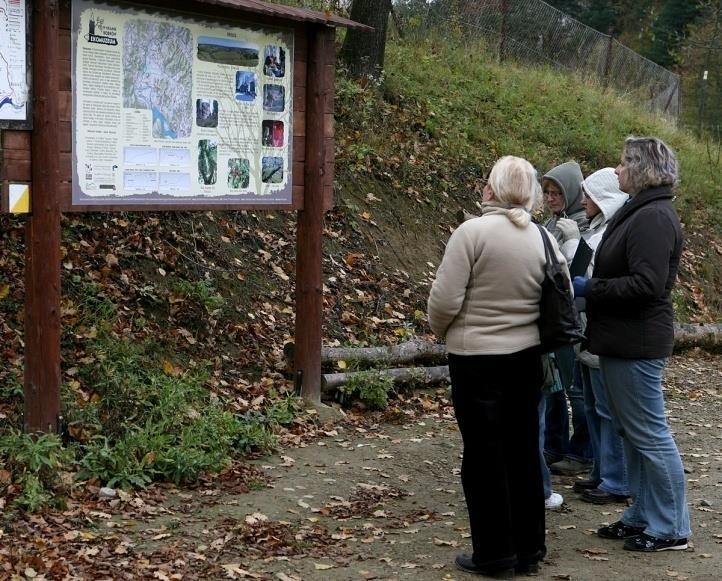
(168, 109)
(14, 75)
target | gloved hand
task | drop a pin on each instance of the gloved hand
(568, 228)
(580, 286)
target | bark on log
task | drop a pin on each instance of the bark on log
(391, 355)
(686, 336)
(332, 381)
(707, 337)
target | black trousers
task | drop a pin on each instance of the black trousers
(495, 399)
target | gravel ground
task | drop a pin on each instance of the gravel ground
(384, 501)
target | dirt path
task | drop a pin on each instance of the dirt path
(385, 502)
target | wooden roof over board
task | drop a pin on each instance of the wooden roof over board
(288, 13)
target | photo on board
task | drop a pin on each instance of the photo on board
(226, 51)
(206, 113)
(272, 133)
(274, 98)
(274, 61)
(272, 170)
(207, 162)
(239, 171)
(246, 84)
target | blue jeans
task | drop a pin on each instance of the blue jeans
(654, 467)
(546, 475)
(609, 467)
(557, 441)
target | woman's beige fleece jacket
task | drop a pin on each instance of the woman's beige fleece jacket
(485, 299)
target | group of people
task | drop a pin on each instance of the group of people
(619, 233)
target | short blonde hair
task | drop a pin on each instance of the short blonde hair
(650, 163)
(514, 183)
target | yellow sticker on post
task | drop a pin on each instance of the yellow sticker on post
(19, 199)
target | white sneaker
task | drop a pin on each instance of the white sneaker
(554, 501)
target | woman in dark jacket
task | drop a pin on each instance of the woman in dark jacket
(630, 327)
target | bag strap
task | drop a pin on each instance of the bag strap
(548, 250)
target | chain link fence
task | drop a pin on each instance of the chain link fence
(533, 31)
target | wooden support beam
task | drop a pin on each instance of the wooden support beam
(42, 233)
(309, 286)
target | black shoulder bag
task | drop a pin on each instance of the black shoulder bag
(558, 321)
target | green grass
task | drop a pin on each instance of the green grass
(480, 110)
(445, 113)
(145, 421)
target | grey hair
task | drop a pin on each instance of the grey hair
(650, 163)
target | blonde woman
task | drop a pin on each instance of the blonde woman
(485, 303)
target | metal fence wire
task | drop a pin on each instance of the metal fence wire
(533, 31)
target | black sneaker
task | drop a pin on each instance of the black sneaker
(528, 569)
(649, 544)
(596, 496)
(619, 531)
(466, 563)
(585, 484)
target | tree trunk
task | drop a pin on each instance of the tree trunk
(362, 51)
(332, 381)
(389, 355)
(686, 336)
(706, 337)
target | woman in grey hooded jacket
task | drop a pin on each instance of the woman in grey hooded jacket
(562, 188)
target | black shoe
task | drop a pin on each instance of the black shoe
(596, 496)
(569, 467)
(550, 458)
(465, 563)
(586, 484)
(619, 531)
(530, 569)
(649, 544)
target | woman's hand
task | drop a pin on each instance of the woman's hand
(580, 286)
(568, 228)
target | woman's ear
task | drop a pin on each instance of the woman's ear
(488, 195)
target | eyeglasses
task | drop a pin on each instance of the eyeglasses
(550, 194)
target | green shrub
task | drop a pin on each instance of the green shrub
(370, 387)
(202, 292)
(34, 462)
(159, 423)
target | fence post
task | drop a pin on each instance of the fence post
(502, 36)
(608, 60)
(671, 95)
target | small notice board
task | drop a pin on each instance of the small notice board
(15, 77)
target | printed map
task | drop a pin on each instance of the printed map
(13, 89)
(157, 63)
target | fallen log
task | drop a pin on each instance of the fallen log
(686, 336)
(706, 337)
(390, 355)
(330, 382)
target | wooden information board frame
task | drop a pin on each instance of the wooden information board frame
(42, 159)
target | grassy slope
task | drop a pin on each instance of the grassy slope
(446, 114)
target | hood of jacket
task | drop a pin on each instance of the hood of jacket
(568, 177)
(603, 188)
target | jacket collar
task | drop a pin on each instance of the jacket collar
(641, 199)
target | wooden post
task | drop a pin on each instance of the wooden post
(504, 31)
(42, 233)
(608, 59)
(309, 286)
